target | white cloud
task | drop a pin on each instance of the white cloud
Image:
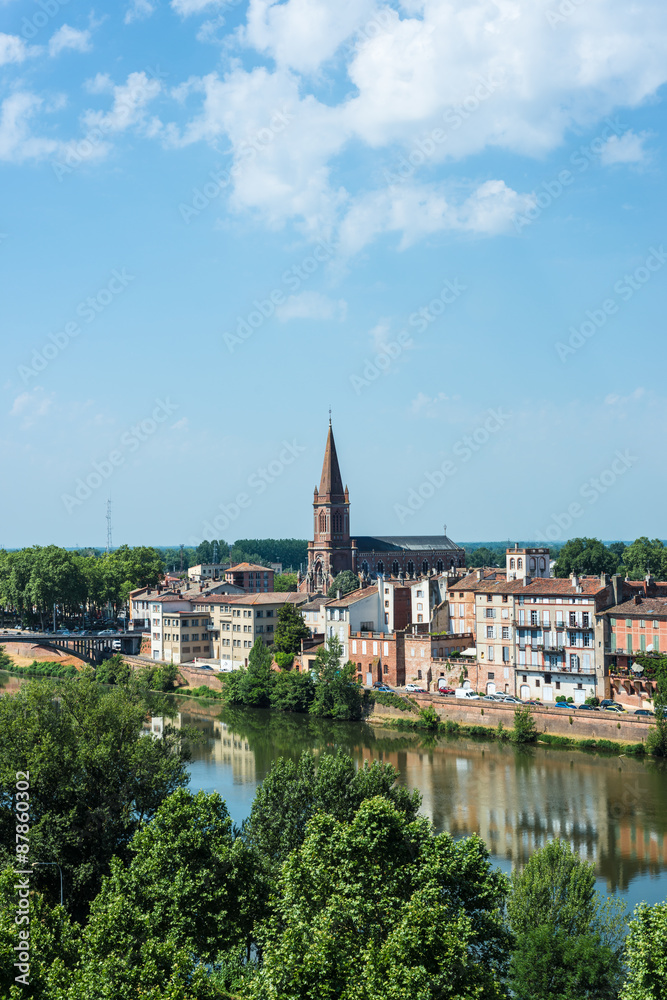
(101, 83)
(187, 7)
(14, 50)
(311, 305)
(138, 10)
(67, 37)
(129, 104)
(615, 400)
(626, 148)
(302, 34)
(16, 141)
(429, 406)
(31, 405)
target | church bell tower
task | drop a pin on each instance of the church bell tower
(330, 552)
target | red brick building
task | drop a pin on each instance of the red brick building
(333, 549)
(254, 579)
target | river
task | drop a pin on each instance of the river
(613, 810)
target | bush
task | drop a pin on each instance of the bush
(202, 692)
(481, 732)
(452, 728)
(393, 701)
(428, 718)
(593, 701)
(561, 697)
(570, 701)
(524, 730)
(284, 660)
(292, 692)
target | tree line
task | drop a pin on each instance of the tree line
(291, 552)
(335, 885)
(589, 557)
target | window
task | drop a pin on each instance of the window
(386, 617)
(386, 668)
(425, 567)
(656, 624)
(419, 675)
(506, 654)
(519, 564)
(420, 607)
(585, 619)
(395, 568)
(511, 564)
(642, 623)
(557, 685)
(411, 568)
(259, 614)
(506, 632)
(504, 598)
(490, 632)
(380, 567)
(323, 523)
(489, 652)
(489, 612)
(420, 593)
(420, 618)
(354, 645)
(439, 567)
(489, 597)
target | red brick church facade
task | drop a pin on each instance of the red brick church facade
(334, 550)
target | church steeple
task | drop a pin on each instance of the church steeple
(331, 482)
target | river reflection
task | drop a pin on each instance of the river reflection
(612, 810)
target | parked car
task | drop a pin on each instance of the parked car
(107, 631)
(511, 699)
(613, 708)
(588, 708)
(446, 691)
(490, 697)
(531, 702)
(563, 704)
(467, 694)
(415, 689)
(383, 688)
(644, 711)
(606, 701)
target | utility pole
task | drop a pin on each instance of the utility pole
(108, 526)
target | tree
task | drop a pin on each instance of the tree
(346, 582)
(290, 629)
(586, 557)
(484, 556)
(379, 907)
(568, 940)
(95, 777)
(294, 791)
(255, 682)
(337, 692)
(644, 556)
(524, 730)
(285, 582)
(292, 691)
(646, 953)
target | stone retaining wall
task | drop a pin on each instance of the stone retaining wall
(555, 721)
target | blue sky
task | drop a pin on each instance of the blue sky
(444, 220)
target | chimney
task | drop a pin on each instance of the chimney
(649, 585)
(149, 591)
(574, 580)
(479, 574)
(638, 599)
(526, 581)
(338, 595)
(617, 587)
(604, 579)
(516, 546)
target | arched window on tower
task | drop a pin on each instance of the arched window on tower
(425, 567)
(380, 566)
(511, 564)
(395, 568)
(323, 523)
(337, 522)
(439, 566)
(519, 564)
(411, 568)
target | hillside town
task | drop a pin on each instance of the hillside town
(418, 616)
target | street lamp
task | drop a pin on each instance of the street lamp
(42, 863)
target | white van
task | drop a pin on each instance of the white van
(466, 693)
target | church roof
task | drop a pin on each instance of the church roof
(331, 483)
(403, 543)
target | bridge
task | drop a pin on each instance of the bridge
(89, 646)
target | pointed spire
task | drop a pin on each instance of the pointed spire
(331, 483)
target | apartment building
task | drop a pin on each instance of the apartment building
(179, 634)
(461, 598)
(637, 625)
(205, 572)
(252, 578)
(542, 638)
(236, 621)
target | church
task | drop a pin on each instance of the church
(334, 550)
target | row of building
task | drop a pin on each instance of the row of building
(418, 615)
